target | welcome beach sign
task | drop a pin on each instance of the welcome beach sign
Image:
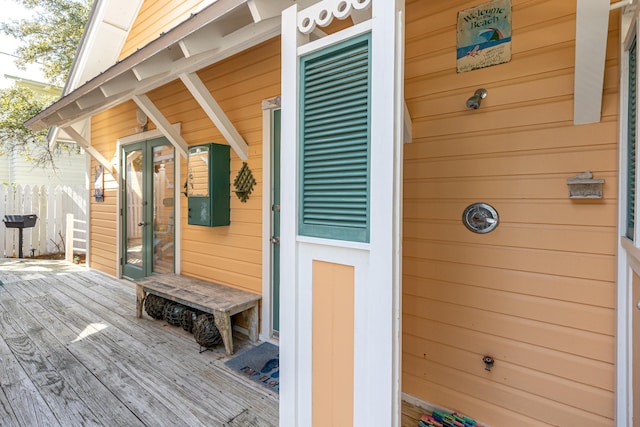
(484, 36)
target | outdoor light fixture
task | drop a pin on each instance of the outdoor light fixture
(476, 99)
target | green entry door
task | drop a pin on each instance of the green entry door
(147, 208)
(275, 221)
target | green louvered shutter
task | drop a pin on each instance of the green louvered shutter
(335, 141)
(631, 144)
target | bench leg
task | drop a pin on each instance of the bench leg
(253, 320)
(223, 323)
(139, 300)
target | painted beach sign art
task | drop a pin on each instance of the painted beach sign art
(484, 36)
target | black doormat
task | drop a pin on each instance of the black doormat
(260, 364)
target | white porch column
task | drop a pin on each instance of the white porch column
(340, 301)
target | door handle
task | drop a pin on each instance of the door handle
(638, 305)
(275, 240)
(142, 224)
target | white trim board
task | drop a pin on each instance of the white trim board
(377, 311)
(268, 107)
(628, 254)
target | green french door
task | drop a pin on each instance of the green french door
(275, 222)
(147, 203)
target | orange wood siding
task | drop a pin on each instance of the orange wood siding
(106, 128)
(156, 17)
(230, 255)
(538, 293)
(333, 334)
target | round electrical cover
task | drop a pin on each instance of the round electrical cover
(480, 218)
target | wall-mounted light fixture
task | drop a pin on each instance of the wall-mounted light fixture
(98, 184)
(476, 99)
(142, 120)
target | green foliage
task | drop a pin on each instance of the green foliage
(50, 36)
(17, 105)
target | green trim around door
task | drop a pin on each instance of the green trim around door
(275, 221)
(147, 208)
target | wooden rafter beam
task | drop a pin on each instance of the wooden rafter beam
(213, 110)
(265, 9)
(122, 83)
(79, 139)
(205, 39)
(157, 64)
(124, 86)
(162, 123)
(95, 97)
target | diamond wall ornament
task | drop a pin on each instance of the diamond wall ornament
(244, 183)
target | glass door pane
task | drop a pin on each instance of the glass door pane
(148, 208)
(163, 209)
(133, 212)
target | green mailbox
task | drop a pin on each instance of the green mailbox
(208, 185)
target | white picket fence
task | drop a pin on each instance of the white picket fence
(51, 204)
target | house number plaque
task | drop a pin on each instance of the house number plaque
(480, 218)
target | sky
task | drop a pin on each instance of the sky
(11, 10)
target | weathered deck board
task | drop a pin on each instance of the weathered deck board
(73, 339)
(103, 403)
(26, 406)
(71, 335)
(149, 367)
(63, 402)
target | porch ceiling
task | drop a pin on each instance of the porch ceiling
(222, 29)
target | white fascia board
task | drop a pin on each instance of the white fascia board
(213, 110)
(105, 34)
(592, 26)
(106, 44)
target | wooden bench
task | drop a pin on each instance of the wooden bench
(219, 300)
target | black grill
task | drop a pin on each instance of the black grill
(20, 222)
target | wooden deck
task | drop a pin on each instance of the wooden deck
(73, 353)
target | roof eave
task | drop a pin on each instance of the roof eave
(220, 30)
